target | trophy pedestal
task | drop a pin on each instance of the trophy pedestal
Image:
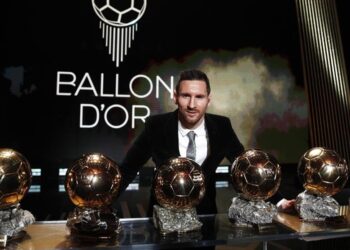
(256, 214)
(93, 224)
(179, 221)
(312, 207)
(13, 221)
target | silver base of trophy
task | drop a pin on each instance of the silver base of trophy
(90, 223)
(179, 221)
(246, 213)
(312, 207)
(13, 221)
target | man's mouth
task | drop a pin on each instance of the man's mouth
(191, 112)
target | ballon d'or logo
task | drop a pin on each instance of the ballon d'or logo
(118, 22)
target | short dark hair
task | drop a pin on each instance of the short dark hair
(193, 74)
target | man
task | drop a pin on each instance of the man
(165, 136)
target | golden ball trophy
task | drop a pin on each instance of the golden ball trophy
(178, 186)
(15, 180)
(256, 176)
(323, 173)
(92, 182)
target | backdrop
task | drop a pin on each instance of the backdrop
(82, 76)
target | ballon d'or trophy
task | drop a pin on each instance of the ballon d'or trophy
(323, 173)
(92, 182)
(15, 180)
(178, 186)
(256, 176)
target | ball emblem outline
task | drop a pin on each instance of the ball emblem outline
(119, 13)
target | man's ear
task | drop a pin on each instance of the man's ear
(175, 97)
(209, 99)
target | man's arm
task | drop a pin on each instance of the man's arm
(136, 157)
(234, 146)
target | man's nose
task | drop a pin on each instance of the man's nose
(192, 102)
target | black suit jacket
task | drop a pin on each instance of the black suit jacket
(159, 140)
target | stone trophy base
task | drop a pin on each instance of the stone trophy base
(93, 224)
(312, 207)
(252, 214)
(175, 221)
(13, 221)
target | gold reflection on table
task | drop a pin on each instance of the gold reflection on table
(294, 222)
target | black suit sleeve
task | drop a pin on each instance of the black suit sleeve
(136, 157)
(234, 146)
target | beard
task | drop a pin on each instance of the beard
(190, 118)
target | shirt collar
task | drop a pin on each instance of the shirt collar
(199, 131)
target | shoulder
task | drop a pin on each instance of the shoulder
(218, 123)
(160, 117)
(217, 118)
(160, 120)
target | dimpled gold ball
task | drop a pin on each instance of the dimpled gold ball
(256, 175)
(15, 177)
(93, 181)
(322, 171)
(179, 184)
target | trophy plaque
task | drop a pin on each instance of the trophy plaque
(323, 173)
(15, 180)
(92, 182)
(256, 176)
(178, 187)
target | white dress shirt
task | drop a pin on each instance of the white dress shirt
(201, 140)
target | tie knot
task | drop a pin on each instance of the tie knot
(191, 135)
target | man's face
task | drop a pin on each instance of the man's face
(192, 100)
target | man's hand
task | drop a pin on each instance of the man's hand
(286, 206)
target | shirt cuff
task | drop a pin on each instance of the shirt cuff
(279, 204)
